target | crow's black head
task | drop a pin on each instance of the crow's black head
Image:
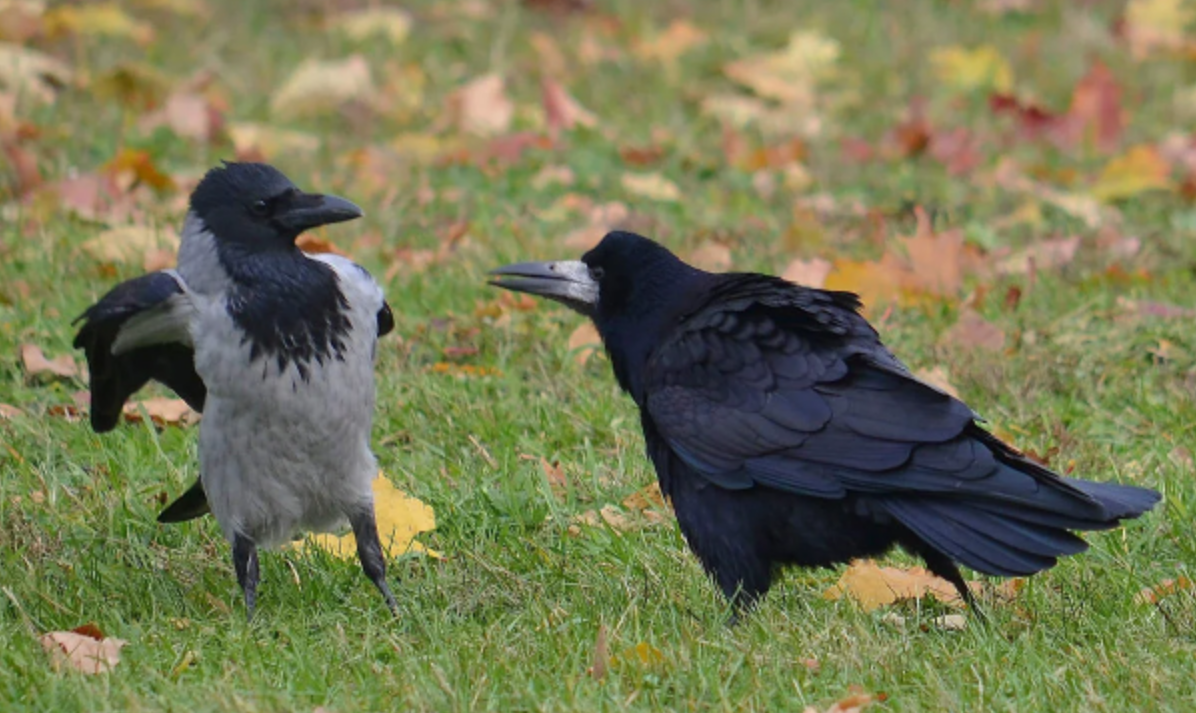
(256, 206)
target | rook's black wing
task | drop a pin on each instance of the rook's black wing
(768, 384)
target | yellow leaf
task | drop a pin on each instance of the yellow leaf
(101, 19)
(1157, 25)
(873, 586)
(400, 518)
(270, 141)
(877, 283)
(792, 74)
(1138, 170)
(651, 185)
(972, 69)
(642, 655)
(390, 23)
(130, 243)
(321, 87)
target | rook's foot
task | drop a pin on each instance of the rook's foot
(245, 562)
(369, 551)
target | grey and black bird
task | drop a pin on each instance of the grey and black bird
(275, 347)
(785, 433)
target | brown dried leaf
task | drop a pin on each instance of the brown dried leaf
(263, 141)
(711, 256)
(1162, 590)
(585, 342)
(162, 411)
(188, 114)
(104, 19)
(1043, 255)
(646, 497)
(29, 73)
(874, 586)
(10, 412)
(856, 701)
(601, 659)
(973, 332)
(390, 23)
(790, 75)
(82, 652)
(481, 107)
(561, 111)
(313, 245)
(558, 482)
(666, 47)
(808, 273)
(937, 377)
(36, 363)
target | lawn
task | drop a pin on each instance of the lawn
(1008, 130)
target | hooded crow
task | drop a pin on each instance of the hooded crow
(274, 346)
(785, 433)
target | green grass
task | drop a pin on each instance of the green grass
(508, 621)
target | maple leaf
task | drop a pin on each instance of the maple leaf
(1138, 170)
(400, 518)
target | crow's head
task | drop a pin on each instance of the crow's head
(623, 273)
(256, 206)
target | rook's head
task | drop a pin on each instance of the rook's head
(623, 272)
(255, 205)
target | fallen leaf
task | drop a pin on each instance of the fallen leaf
(267, 141)
(20, 19)
(666, 47)
(389, 23)
(1152, 26)
(131, 243)
(937, 377)
(874, 586)
(27, 72)
(162, 411)
(601, 659)
(856, 701)
(400, 518)
(558, 482)
(653, 186)
(711, 257)
(950, 622)
(642, 655)
(808, 273)
(968, 70)
(312, 245)
(552, 176)
(1146, 308)
(1138, 170)
(1162, 590)
(10, 412)
(464, 371)
(791, 75)
(188, 112)
(561, 111)
(103, 19)
(481, 107)
(36, 363)
(1043, 255)
(318, 87)
(585, 342)
(82, 652)
(973, 332)
(1095, 108)
(645, 498)
(132, 167)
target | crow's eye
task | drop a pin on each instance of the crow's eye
(260, 207)
(596, 273)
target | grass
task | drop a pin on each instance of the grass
(509, 620)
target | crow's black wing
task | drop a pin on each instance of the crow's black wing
(769, 384)
(137, 332)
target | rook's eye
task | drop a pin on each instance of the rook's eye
(597, 273)
(260, 207)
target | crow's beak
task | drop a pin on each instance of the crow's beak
(567, 281)
(311, 210)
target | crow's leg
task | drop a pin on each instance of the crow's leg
(943, 566)
(369, 551)
(245, 562)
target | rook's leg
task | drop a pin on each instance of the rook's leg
(369, 551)
(245, 562)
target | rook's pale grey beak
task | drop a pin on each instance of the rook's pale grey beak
(311, 210)
(567, 281)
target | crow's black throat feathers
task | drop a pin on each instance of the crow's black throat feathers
(290, 306)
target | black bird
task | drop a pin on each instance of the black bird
(785, 433)
(274, 346)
